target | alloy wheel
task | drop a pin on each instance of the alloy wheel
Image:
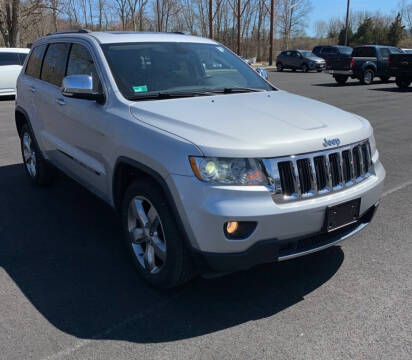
(146, 234)
(29, 155)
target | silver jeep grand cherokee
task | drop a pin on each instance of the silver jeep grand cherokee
(212, 169)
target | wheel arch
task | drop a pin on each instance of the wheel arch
(21, 117)
(369, 66)
(126, 170)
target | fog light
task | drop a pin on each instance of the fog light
(238, 230)
(232, 226)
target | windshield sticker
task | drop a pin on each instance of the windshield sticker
(220, 49)
(140, 89)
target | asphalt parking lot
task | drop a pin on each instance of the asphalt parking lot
(68, 291)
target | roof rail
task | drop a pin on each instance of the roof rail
(79, 31)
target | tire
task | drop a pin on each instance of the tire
(402, 83)
(305, 68)
(36, 167)
(367, 77)
(319, 70)
(279, 67)
(384, 79)
(293, 69)
(158, 249)
(341, 79)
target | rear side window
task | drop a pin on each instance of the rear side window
(364, 52)
(54, 64)
(7, 58)
(34, 64)
(81, 63)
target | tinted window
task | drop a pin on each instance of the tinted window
(81, 63)
(22, 57)
(54, 64)
(385, 53)
(9, 59)
(317, 49)
(364, 52)
(34, 64)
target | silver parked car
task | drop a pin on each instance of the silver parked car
(211, 168)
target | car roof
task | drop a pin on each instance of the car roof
(114, 37)
(16, 50)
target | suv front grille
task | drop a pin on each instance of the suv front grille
(299, 177)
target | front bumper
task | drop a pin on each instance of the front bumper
(204, 209)
(268, 251)
(319, 66)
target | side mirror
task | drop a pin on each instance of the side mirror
(81, 87)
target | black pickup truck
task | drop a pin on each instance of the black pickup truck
(366, 63)
(400, 66)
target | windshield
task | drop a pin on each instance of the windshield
(142, 69)
(308, 54)
(346, 50)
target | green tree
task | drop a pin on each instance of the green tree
(342, 36)
(396, 31)
(365, 34)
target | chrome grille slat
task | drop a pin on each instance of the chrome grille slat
(313, 177)
(300, 177)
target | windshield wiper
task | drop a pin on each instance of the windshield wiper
(168, 95)
(235, 90)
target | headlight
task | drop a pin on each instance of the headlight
(228, 171)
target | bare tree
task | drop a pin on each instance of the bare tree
(321, 29)
(292, 18)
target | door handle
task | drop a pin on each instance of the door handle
(33, 89)
(60, 102)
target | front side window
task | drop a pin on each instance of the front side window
(148, 68)
(34, 64)
(394, 50)
(9, 59)
(385, 53)
(81, 63)
(54, 64)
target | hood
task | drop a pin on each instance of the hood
(262, 124)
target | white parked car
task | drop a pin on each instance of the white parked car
(11, 62)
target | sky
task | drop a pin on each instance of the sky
(326, 9)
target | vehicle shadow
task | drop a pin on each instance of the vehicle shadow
(62, 247)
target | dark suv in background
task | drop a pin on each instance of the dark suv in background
(329, 51)
(304, 60)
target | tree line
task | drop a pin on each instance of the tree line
(245, 26)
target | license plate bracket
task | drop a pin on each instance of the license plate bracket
(342, 215)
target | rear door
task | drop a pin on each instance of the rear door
(78, 128)
(27, 92)
(10, 67)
